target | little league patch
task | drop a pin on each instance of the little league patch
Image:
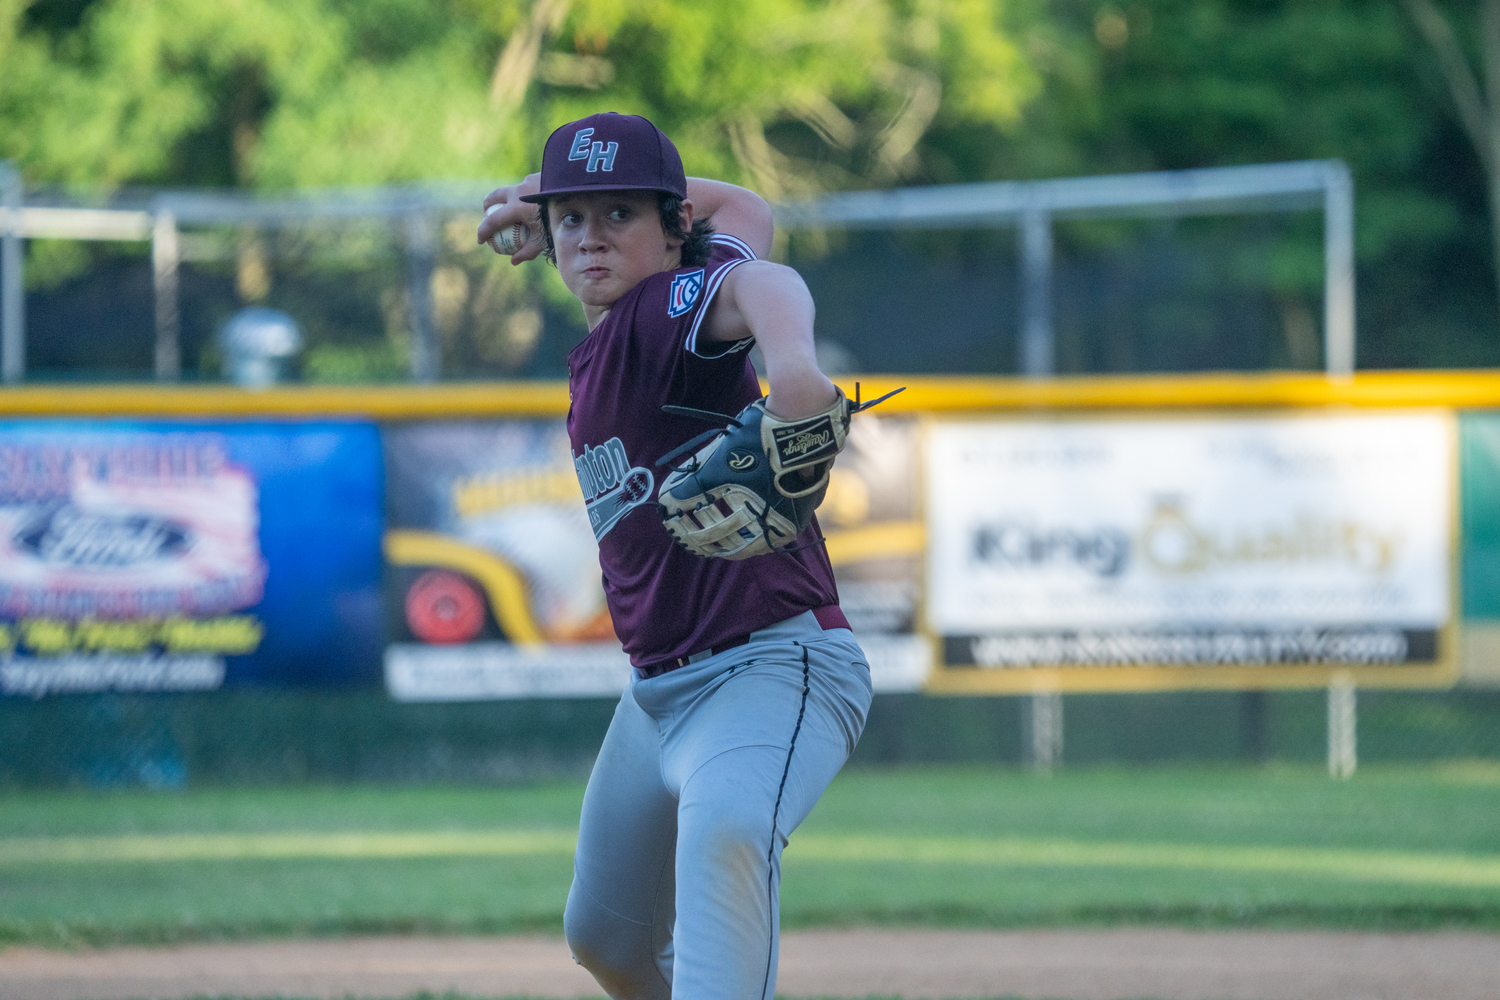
(684, 292)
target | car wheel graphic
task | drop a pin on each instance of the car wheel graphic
(443, 607)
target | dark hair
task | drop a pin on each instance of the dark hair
(695, 242)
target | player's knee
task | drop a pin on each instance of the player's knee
(623, 973)
(599, 940)
(616, 951)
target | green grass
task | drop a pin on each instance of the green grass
(1394, 847)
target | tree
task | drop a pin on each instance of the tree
(794, 97)
(1170, 84)
(791, 96)
(1477, 106)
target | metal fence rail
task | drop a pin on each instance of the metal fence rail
(1032, 206)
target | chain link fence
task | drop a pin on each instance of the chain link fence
(1221, 269)
(264, 736)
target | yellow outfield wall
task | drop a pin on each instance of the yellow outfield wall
(926, 393)
(1225, 394)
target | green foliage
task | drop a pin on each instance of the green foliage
(49, 263)
(1171, 84)
(792, 97)
(344, 364)
(1197, 84)
(113, 99)
(332, 92)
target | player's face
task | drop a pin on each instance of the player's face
(607, 243)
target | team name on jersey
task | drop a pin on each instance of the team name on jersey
(685, 291)
(612, 487)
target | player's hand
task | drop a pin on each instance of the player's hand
(504, 208)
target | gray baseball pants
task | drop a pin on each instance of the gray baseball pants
(704, 773)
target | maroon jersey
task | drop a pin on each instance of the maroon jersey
(651, 350)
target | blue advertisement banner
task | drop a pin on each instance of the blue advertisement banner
(173, 556)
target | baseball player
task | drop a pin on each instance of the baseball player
(748, 691)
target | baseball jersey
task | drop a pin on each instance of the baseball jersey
(651, 350)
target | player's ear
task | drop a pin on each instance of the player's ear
(686, 216)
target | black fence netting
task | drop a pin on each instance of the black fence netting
(1224, 293)
(361, 735)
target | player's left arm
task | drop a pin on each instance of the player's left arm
(771, 303)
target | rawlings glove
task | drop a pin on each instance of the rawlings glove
(753, 486)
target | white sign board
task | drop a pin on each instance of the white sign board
(1191, 542)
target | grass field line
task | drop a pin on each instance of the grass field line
(287, 845)
(1418, 867)
(1339, 863)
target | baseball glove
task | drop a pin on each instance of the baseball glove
(752, 486)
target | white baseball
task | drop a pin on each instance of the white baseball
(508, 241)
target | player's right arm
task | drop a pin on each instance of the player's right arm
(734, 211)
(511, 209)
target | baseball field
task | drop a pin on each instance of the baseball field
(1394, 849)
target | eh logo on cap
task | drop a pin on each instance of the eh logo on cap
(597, 154)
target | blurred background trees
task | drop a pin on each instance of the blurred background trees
(791, 97)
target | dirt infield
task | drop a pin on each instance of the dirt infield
(1074, 964)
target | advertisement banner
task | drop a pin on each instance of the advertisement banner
(179, 557)
(1233, 551)
(875, 538)
(493, 583)
(493, 580)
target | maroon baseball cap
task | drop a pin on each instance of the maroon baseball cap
(610, 152)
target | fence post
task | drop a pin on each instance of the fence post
(420, 256)
(12, 282)
(165, 256)
(1342, 746)
(1045, 746)
(1338, 289)
(1038, 352)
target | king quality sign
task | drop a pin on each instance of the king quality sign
(1230, 552)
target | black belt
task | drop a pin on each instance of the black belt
(828, 616)
(660, 667)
